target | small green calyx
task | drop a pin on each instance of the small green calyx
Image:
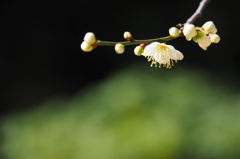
(199, 35)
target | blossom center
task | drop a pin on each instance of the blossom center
(162, 48)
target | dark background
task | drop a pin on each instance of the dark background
(40, 54)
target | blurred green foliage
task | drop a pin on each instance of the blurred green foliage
(134, 114)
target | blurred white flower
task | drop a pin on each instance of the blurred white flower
(162, 54)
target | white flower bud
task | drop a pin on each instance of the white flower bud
(127, 35)
(189, 31)
(86, 47)
(89, 38)
(119, 48)
(138, 50)
(215, 38)
(210, 27)
(174, 32)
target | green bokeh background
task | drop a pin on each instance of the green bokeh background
(57, 102)
(136, 113)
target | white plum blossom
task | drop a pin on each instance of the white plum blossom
(162, 54)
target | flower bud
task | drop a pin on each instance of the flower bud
(215, 38)
(210, 27)
(189, 31)
(119, 48)
(174, 32)
(89, 38)
(86, 47)
(138, 50)
(127, 35)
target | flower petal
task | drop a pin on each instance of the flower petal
(177, 55)
(204, 42)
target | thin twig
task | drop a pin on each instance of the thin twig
(198, 12)
(135, 42)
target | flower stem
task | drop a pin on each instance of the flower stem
(134, 42)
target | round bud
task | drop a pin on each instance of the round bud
(210, 27)
(119, 48)
(127, 35)
(215, 38)
(174, 32)
(189, 31)
(138, 50)
(89, 38)
(86, 47)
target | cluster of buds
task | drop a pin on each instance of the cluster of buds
(88, 42)
(204, 35)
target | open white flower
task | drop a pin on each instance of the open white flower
(162, 54)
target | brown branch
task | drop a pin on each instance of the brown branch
(198, 12)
